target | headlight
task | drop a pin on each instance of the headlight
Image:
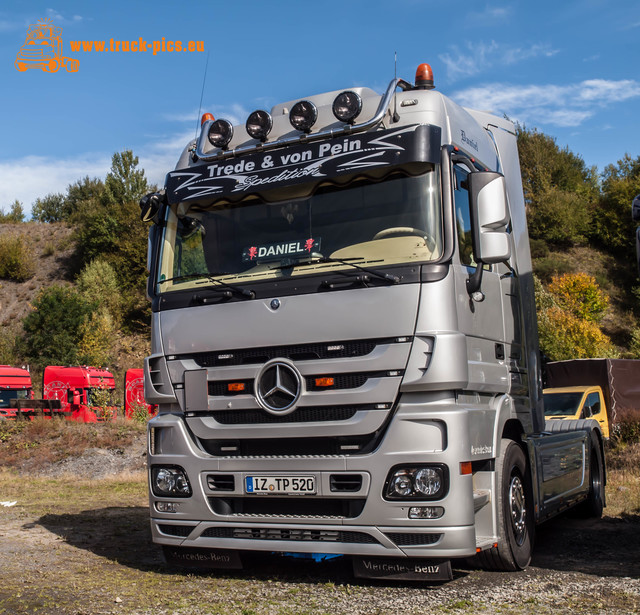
(170, 482)
(220, 133)
(417, 483)
(259, 125)
(347, 106)
(303, 115)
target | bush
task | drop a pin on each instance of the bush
(16, 259)
(53, 330)
(565, 336)
(579, 294)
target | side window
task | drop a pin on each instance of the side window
(463, 216)
(592, 405)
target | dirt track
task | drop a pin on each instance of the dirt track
(101, 560)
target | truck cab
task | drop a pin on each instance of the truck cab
(85, 393)
(15, 384)
(344, 349)
(576, 402)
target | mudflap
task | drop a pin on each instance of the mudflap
(402, 569)
(191, 557)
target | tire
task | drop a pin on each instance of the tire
(515, 512)
(593, 505)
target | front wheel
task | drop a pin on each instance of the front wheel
(515, 512)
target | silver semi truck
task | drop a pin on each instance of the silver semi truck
(344, 343)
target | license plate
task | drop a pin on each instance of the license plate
(304, 485)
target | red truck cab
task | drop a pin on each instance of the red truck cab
(15, 383)
(134, 393)
(78, 389)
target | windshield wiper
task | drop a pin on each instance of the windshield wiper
(207, 276)
(392, 279)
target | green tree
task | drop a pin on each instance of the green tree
(125, 183)
(15, 215)
(51, 208)
(108, 228)
(614, 229)
(53, 329)
(560, 191)
(98, 283)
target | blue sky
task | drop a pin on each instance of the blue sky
(569, 69)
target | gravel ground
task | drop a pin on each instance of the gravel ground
(101, 561)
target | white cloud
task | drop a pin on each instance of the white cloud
(552, 105)
(32, 177)
(480, 57)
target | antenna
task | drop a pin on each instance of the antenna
(204, 80)
(396, 117)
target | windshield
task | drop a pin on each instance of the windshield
(6, 395)
(390, 222)
(560, 404)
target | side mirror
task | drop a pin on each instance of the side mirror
(489, 217)
(151, 205)
(76, 398)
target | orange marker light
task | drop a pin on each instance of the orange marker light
(236, 387)
(465, 468)
(424, 77)
(325, 382)
(205, 117)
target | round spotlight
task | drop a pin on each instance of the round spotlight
(220, 133)
(259, 125)
(303, 115)
(347, 106)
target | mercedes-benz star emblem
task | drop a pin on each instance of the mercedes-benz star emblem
(278, 386)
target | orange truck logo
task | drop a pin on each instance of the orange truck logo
(43, 49)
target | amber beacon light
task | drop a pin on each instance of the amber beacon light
(424, 77)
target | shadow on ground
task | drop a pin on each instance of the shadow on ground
(605, 547)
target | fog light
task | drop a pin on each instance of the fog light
(220, 133)
(167, 507)
(347, 106)
(303, 115)
(426, 512)
(259, 125)
(171, 481)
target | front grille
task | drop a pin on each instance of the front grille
(301, 415)
(345, 483)
(175, 530)
(289, 507)
(289, 534)
(292, 447)
(221, 482)
(413, 540)
(298, 352)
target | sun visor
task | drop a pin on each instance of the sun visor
(329, 160)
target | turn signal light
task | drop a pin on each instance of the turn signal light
(465, 468)
(325, 382)
(236, 387)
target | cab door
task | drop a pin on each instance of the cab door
(595, 408)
